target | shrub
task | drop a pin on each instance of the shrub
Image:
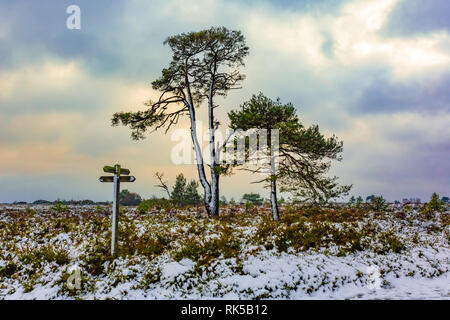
(408, 208)
(129, 198)
(146, 205)
(390, 242)
(8, 270)
(96, 255)
(299, 232)
(99, 209)
(204, 252)
(146, 245)
(378, 204)
(59, 207)
(149, 278)
(30, 211)
(37, 257)
(49, 254)
(249, 205)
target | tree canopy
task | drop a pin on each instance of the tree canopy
(204, 64)
(303, 153)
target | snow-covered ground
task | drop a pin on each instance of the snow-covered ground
(253, 269)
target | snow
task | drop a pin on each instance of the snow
(173, 269)
(421, 271)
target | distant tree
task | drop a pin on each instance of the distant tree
(122, 194)
(232, 201)
(192, 197)
(37, 202)
(253, 198)
(162, 184)
(370, 198)
(359, 201)
(178, 195)
(445, 199)
(154, 203)
(223, 200)
(127, 198)
(435, 203)
(302, 154)
(378, 203)
(59, 207)
(352, 199)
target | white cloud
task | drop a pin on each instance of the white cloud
(358, 40)
(355, 37)
(66, 86)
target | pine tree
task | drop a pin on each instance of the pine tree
(204, 65)
(223, 200)
(192, 197)
(178, 195)
(435, 203)
(253, 198)
(303, 154)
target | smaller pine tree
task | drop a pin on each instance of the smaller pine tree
(178, 195)
(378, 203)
(192, 197)
(358, 202)
(435, 203)
(254, 198)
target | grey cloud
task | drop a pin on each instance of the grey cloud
(38, 32)
(413, 17)
(385, 95)
(410, 169)
(315, 6)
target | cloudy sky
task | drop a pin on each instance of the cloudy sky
(374, 72)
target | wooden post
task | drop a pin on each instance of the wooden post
(116, 207)
(116, 179)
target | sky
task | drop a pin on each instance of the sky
(375, 72)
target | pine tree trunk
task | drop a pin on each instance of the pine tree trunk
(273, 198)
(213, 210)
(199, 159)
(273, 179)
(214, 203)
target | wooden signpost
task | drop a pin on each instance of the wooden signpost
(116, 179)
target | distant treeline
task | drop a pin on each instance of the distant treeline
(66, 202)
